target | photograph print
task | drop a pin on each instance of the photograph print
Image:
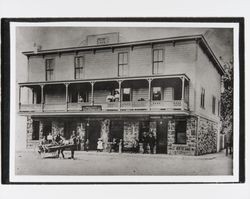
(124, 102)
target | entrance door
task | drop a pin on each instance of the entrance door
(93, 133)
(116, 130)
(47, 128)
(162, 136)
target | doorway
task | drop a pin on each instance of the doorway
(47, 128)
(116, 129)
(93, 133)
(161, 136)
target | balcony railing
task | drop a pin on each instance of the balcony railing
(107, 106)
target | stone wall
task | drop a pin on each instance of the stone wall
(105, 124)
(207, 137)
(131, 133)
(186, 149)
(57, 127)
(29, 142)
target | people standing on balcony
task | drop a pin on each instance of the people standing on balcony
(145, 142)
(151, 142)
(116, 96)
(99, 145)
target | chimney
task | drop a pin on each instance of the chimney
(36, 48)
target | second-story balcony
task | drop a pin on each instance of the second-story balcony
(158, 93)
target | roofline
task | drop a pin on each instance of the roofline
(199, 37)
(116, 45)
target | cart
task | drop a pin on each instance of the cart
(51, 150)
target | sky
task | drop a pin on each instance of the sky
(219, 39)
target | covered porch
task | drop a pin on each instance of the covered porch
(128, 94)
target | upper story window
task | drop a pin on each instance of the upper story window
(49, 67)
(213, 104)
(123, 64)
(126, 94)
(157, 93)
(202, 98)
(79, 66)
(157, 61)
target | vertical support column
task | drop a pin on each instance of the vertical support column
(149, 93)
(182, 93)
(19, 99)
(120, 95)
(32, 90)
(66, 95)
(92, 93)
(42, 97)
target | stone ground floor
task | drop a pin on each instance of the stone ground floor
(94, 163)
(187, 135)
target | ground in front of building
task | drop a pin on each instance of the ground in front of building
(94, 163)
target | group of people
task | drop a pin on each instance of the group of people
(148, 140)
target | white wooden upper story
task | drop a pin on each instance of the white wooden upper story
(189, 55)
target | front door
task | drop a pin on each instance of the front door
(93, 133)
(161, 136)
(116, 130)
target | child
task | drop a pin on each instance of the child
(99, 145)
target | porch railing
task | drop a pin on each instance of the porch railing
(130, 105)
(77, 106)
(30, 107)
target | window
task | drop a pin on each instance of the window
(202, 98)
(79, 64)
(156, 93)
(180, 132)
(126, 94)
(157, 61)
(35, 133)
(213, 104)
(103, 40)
(49, 66)
(122, 64)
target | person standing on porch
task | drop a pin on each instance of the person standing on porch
(74, 142)
(100, 145)
(151, 142)
(145, 142)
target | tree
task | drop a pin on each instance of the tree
(227, 102)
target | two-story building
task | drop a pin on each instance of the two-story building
(169, 86)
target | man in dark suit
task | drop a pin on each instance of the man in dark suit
(151, 142)
(74, 142)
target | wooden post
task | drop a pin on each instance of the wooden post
(182, 93)
(92, 93)
(42, 97)
(19, 99)
(149, 93)
(120, 95)
(66, 95)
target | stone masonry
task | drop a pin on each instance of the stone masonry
(29, 143)
(186, 149)
(207, 137)
(57, 127)
(131, 133)
(105, 124)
